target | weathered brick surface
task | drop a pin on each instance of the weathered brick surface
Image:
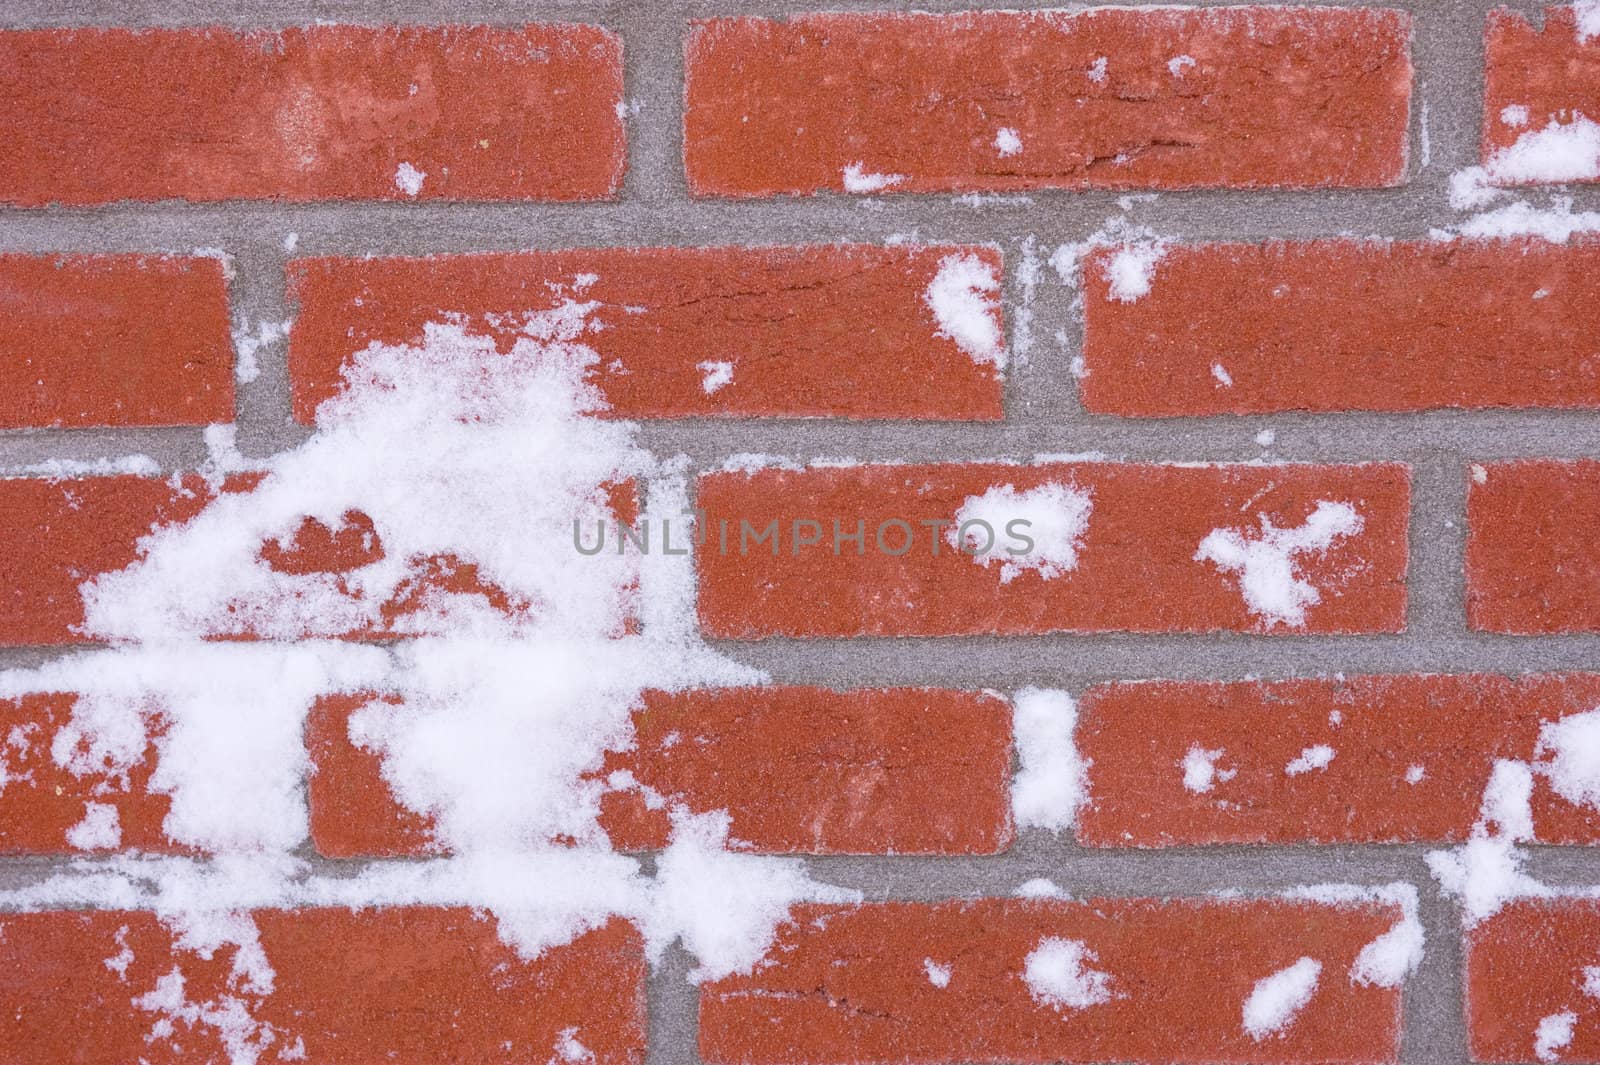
(326, 112)
(346, 988)
(1255, 328)
(1532, 961)
(853, 985)
(1136, 567)
(799, 770)
(1551, 71)
(119, 340)
(1271, 96)
(1533, 564)
(786, 323)
(1411, 757)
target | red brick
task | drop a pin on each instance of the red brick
(1441, 324)
(1136, 737)
(799, 770)
(351, 988)
(1526, 963)
(1533, 565)
(850, 986)
(325, 112)
(42, 801)
(1293, 97)
(1549, 71)
(1136, 569)
(820, 331)
(90, 340)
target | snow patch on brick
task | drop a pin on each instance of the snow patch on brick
(1200, 772)
(408, 179)
(1269, 578)
(1276, 1000)
(1553, 1033)
(938, 975)
(1393, 956)
(714, 376)
(1317, 757)
(1007, 142)
(1050, 519)
(857, 178)
(1560, 152)
(1131, 269)
(1058, 975)
(100, 829)
(964, 297)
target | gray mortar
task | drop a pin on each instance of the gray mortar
(1043, 416)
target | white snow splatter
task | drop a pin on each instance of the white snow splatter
(714, 375)
(408, 179)
(964, 297)
(1200, 772)
(1317, 757)
(1040, 529)
(1269, 580)
(938, 975)
(1052, 778)
(1554, 1033)
(1276, 1000)
(1007, 142)
(1057, 973)
(857, 178)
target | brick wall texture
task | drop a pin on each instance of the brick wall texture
(204, 215)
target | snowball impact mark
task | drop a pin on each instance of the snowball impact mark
(1131, 269)
(502, 713)
(938, 975)
(857, 178)
(408, 179)
(1007, 143)
(964, 297)
(1315, 757)
(1200, 772)
(1052, 778)
(1277, 1000)
(1560, 152)
(1553, 1034)
(1050, 520)
(714, 375)
(1269, 579)
(1058, 975)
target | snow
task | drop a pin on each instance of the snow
(1200, 772)
(1276, 1000)
(1131, 269)
(408, 179)
(1269, 580)
(1514, 115)
(1040, 888)
(938, 975)
(1317, 757)
(100, 829)
(857, 178)
(450, 446)
(1486, 871)
(570, 1049)
(1097, 70)
(714, 375)
(1037, 530)
(1223, 377)
(1556, 223)
(1393, 956)
(1266, 438)
(1587, 14)
(1006, 142)
(1057, 973)
(1414, 774)
(1572, 765)
(1560, 152)
(249, 343)
(1554, 1033)
(1178, 64)
(61, 469)
(964, 297)
(1052, 778)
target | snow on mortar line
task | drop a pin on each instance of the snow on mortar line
(1039, 529)
(1040, 888)
(1393, 956)
(65, 469)
(1277, 1000)
(1052, 777)
(857, 178)
(1058, 974)
(249, 342)
(964, 297)
(1265, 564)
(502, 718)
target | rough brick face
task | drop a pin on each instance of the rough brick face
(118, 340)
(1533, 564)
(1253, 328)
(1272, 97)
(1531, 961)
(1411, 758)
(852, 986)
(328, 112)
(348, 988)
(787, 322)
(1552, 72)
(799, 770)
(1136, 567)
